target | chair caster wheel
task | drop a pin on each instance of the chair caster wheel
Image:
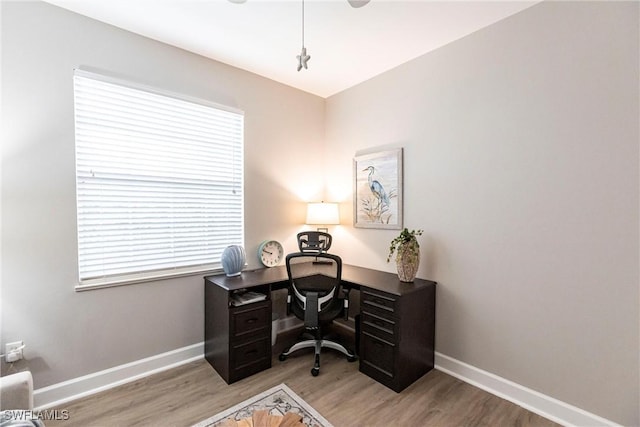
(282, 357)
(315, 371)
(351, 358)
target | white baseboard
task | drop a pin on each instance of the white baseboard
(541, 404)
(58, 394)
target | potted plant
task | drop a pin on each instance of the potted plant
(408, 254)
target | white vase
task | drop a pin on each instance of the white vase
(233, 259)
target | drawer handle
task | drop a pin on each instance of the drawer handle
(377, 305)
(385, 320)
(252, 320)
(384, 302)
(378, 340)
(381, 328)
(379, 297)
(254, 351)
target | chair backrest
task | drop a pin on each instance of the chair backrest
(314, 272)
(314, 241)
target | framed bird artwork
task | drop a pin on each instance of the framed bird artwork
(377, 199)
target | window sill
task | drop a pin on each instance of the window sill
(95, 284)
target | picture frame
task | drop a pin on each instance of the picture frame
(377, 198)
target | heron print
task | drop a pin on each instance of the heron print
(378, 183)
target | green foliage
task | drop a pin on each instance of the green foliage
(405, 236)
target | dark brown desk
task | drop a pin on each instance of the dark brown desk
(397, 324)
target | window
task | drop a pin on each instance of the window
(159, 182)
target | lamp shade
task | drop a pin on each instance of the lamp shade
(323, 213)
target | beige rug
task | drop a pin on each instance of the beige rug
(278, 400)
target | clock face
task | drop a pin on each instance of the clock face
(270, 253)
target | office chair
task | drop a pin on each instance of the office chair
(314, 297)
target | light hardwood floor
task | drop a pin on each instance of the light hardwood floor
(191, 393)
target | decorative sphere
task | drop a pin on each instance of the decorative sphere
(233, 259)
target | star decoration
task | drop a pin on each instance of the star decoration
(303, 58)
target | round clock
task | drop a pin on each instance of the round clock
(270, 253)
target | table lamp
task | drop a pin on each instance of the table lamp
(323, 214)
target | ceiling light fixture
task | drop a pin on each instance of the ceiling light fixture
(303, 58)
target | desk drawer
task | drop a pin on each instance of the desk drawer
(376, 324)
(250, 319)
(247, 353)
(381, 301)
(378, 354)
(249, 357)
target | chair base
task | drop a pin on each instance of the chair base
(318, 344)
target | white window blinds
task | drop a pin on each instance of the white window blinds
(159, 181)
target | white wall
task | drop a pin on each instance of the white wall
(521, 164)
(69, 334)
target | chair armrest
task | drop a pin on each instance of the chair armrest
(16, 391)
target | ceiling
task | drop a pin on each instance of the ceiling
(347, 45)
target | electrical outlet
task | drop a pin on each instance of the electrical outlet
(13, 351)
